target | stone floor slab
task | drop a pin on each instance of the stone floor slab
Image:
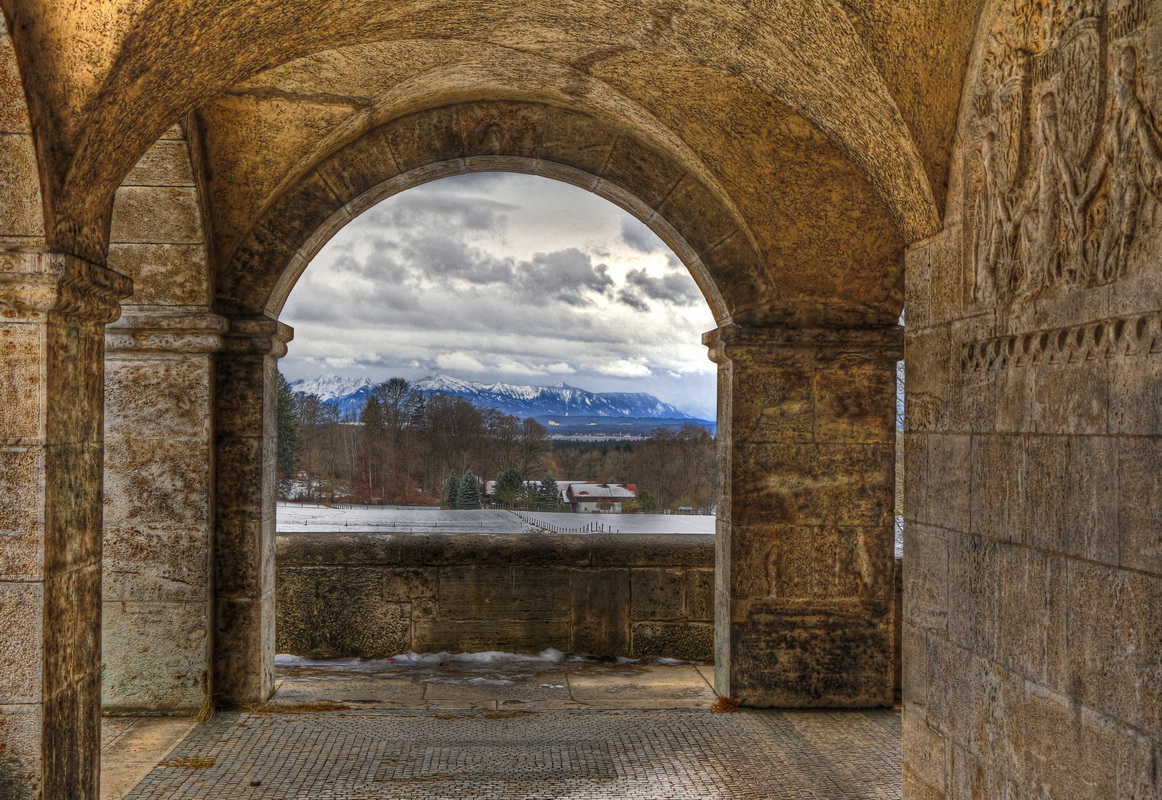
(132, 746)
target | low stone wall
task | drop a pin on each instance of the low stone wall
(374, 595)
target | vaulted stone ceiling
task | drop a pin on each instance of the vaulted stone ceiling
(822, 127)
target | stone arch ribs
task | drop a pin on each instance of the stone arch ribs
(112, 77)
(701, 227)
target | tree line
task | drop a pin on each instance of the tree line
(407, 448)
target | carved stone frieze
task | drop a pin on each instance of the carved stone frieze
(1063, 170)
(1109, 338)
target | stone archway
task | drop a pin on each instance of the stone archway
(805, 622)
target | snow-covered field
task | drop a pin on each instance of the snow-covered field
(306, 518)
(624, 523)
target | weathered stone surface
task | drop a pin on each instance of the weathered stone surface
(806, 611)
(54, 308)
(691, 641)
(321, 619)
(658, 594)
(22, 649)
(349, 595)
(157, 215)
(1035, 325)
(160, 656)
(19, 187)
(600, 611)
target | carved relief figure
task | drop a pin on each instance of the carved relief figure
(1134, 162)
(1046, 261)
(1000, 204)
(997, 257)
(1094, 150)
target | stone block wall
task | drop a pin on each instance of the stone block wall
(159, 438)
(1033, 583)
(375, 595)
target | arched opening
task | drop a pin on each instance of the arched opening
(843, 377)
(465, 291)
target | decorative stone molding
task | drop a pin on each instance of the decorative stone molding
(258, 336)
(873, 344)
(172, 329)
(1117, 337)
(35, 283)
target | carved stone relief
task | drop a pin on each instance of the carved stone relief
(1064, 163)
(1119, 337)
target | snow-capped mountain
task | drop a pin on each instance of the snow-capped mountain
(330, 387)
(349, 394)
(531, 401)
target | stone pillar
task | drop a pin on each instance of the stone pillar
(245, 403)
(804, 611)
(53, 308)
(158, 510)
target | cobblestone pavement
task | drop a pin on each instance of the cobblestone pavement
(379, 753)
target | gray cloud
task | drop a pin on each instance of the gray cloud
(675, 288)
(639, 237)
(567, 275)
(633, 300)
(443, 210)
(436, 256)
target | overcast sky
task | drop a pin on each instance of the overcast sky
(504, 277)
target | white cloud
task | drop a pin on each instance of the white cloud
(625, 368)
(459, 361)
(560, 368)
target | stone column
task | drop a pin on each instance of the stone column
(804, 572)
(158, 510)
(245, 403)
(53, 308)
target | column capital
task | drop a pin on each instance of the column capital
(258, 336)
(37, 282)
(165, 329)
(781, 344)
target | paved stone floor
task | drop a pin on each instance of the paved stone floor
(554, 731)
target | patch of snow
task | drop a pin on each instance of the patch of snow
(289, 660)
(550, 655)
(475, 681)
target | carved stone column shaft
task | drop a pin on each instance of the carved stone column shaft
(245, 405)
(157, 608)
(53, 308)
(804, 609)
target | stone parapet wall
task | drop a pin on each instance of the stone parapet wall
(375, 595)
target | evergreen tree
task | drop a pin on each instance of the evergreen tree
(508, 486)
(548, 496)
(288, 431)
(451, 493)
(526, 497)
(469, 495)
